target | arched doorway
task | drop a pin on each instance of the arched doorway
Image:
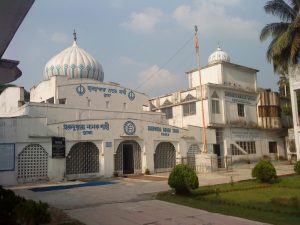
(83, 158)
(164, 157)
(32, 164)
(128, 158)
(192, 151)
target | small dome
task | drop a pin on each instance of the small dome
(218, 56)
(75, 63)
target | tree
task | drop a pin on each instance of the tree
(284, 87)
(285, 34)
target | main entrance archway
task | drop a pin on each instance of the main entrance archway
(164, 157)
(83, 158)
(128, 158)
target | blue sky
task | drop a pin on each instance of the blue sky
(133, 39)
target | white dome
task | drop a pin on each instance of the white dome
(75, 63)
(218, 56)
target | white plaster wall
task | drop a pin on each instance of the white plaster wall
(43, 91)
(60, 87)
(57, 113)
(216, 118)
(262, 137)
(107, 159)
(233, 117)
(20, 128)
(209, 74)
(212, 74)
(8, 178)
(294, 86)
(240, 77)
(10, 100)
(194, 120)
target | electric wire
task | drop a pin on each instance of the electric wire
(166, 63)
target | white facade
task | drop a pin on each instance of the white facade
(294, 78)
(77, 126)
(230, 102)
(80, 127)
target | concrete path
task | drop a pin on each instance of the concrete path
(131, 202)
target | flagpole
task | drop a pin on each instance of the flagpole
(201, 95)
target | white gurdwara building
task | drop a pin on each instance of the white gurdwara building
(77, 126)
(246, 121)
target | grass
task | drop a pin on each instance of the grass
(277, 203)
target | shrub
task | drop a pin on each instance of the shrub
(264, 171)
(286, 201)
(17, 210)
(297, 167)
(32, 213)
(8, 201)
(183, 178)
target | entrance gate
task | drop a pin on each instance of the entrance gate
(193, 150)
(32, 164)
(128, 158)
(83, 158)
(164, 157)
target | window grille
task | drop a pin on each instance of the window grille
(32, 163)
(168, 111)
(83, 158)
(247, 146)
(189, 109)
(215, 106)
(241, 110)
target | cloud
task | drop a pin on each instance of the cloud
(60, 38)
(144, 21)
(42, 33)
(212, 21)
(131, 63)
(155, 79)
(127, 61)
(226, 2)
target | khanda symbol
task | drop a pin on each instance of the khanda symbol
(80, 90)
(131, 95)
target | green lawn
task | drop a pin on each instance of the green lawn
(277, 203)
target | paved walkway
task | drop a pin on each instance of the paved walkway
(130, 201)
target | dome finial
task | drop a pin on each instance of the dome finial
(74, 34)
(219, 44)
(218, 56)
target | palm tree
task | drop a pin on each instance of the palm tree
(284, 87)
(285, 44)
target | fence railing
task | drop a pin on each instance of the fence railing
(216, 163)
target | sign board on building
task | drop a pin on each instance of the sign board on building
(245, 134)
(240, 98)
(165, 131)
(7, 156)
(58, 147)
